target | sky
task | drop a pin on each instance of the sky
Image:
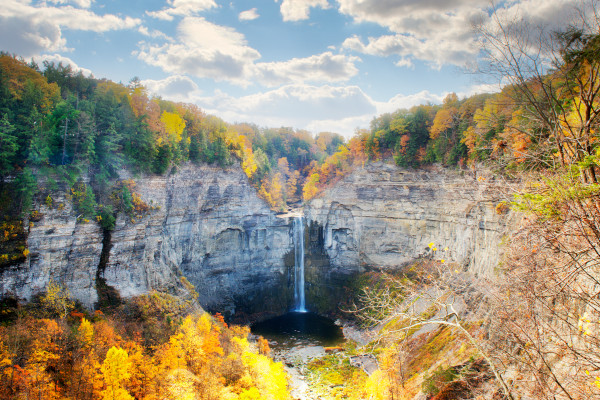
(319, 65)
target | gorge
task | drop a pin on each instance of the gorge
(208, 225)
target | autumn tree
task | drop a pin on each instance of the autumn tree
(57, 300)
(553, 78)
(546, 304)
(435, 294)
(115, 370)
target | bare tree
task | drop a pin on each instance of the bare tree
(553, 76)
(439, 295)
(547, 308)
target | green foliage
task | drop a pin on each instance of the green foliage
(434, 382)
(25, 185)
(8, 146)
(84, 200)
(162, 160)
(107, 218)
(546, 198)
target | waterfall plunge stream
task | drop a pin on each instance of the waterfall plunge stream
(299, 335)
(299, 299)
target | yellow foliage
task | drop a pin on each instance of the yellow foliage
(5, 355)
(250, 394)
(310, 188)
(204, 359)
(115, 370)
(269, 377)
(376, 387)
(174, 126)
(180, 385)
(249, 163)
(57, 299)
(443, 121)
(86, 332)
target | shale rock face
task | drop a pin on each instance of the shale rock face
(208, 225)
(384, 216)
(60, 249)
(212, 228)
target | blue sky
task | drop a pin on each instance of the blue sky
(320, 65)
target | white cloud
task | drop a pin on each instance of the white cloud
(340, 109)
(28, 30)
(299, 106)
(185, 8)
(80, 3)
(248, 15)
(440, 31)
(407, 15)
(345, 126)
(203, 50)
(153, 33)
(325, 67)
(207, 50)
(407, 101)
(57, 58)
(297, 10)
(175, 88)
(437, 51)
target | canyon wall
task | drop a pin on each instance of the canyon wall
(384, 216)
(207, 224)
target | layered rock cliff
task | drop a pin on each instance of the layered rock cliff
(384, 216)
(208, 224)
(212, 228)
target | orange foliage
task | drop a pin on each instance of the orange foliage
(203, 359)
(18, 74)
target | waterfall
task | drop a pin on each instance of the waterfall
(299, 301)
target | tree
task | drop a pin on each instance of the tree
(115, 370)
(57, 299)
(432, 296)
(546, 304)
(8, 146)
(174, 126)
(554, 79)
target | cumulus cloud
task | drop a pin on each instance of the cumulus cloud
(317, 68)
(438, 51)
(153, 33)
(57, 59)
(407, 15)
(80, 3)
(248, 15)
(407, 101)
(204, 50)
(297, 10)
(175, 88)
(184, 8)
(29, 30)
(345, 126)
(326, 108)
(300, 106)
(440, 31)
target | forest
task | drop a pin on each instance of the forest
(59, 123)
(58, 126)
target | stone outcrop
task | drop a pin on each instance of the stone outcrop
(60, 249)
(208, 224)
(212, 228)
(384, 216)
